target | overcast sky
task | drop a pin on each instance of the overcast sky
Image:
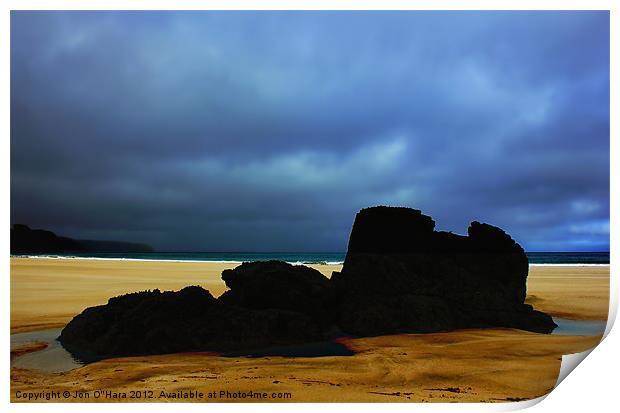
(268, 131)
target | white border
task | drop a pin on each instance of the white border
(308, 5)
(591, 387)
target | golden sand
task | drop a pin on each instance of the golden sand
(468, 365)
(570, 291)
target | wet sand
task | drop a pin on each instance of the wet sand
(27, 348)
(469, 365)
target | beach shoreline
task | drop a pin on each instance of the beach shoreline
(239, 262)
(48, 292)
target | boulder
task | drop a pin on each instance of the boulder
(256, 313)
(279, 285)
(147, 322)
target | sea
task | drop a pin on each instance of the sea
(535, 258)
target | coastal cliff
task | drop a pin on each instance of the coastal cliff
(25, 240)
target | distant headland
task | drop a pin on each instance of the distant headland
(25, 240)
(399, 276)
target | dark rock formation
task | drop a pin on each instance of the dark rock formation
(282, 286)
(399, 275)
(37, 241)
(269, 304)
(148, 322)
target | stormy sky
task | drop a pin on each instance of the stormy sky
(268, 131)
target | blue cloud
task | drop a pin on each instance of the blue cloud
(269, 130)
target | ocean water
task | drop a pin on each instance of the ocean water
(535, 258)
(568, 257)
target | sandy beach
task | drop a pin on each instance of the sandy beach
(468, 365)
(574, 292)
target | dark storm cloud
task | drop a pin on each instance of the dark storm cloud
(269, 130)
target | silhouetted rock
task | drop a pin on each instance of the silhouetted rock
(153, 322)
(279, 285)
(399, 275)
(148, 322)
(37, 241)
(270, 303)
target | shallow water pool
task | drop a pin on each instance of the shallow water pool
(567, 327)
(52, 359)
(56, 359)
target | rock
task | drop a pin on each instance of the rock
(279, 285)
(400, 275)
(390, 230)
(269, 304)
(147, 322)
